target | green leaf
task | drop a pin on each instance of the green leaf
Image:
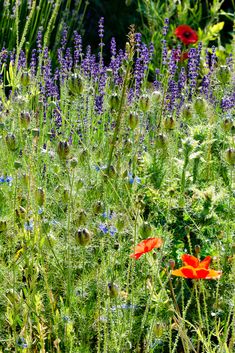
(216, 28)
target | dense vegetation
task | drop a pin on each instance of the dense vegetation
(106, 148)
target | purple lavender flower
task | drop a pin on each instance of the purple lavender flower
(101, 31)
(77, 48)
(138, 42)
(164, 52)
(165, 27)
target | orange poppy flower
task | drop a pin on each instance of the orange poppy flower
(195, 269)
(145, 246)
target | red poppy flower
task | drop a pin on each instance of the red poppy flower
(195, 269)
(186, 34)
(145, 246)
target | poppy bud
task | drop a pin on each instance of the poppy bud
(83, 155)
(24, 79)
(75, 84)
(159, 330)
(230, 156)
(187, 112)
(172, 264)
(144, 103)
(73, 162)
(133, 120)
(127, 145)
(40, 196)
(113, 290)
(11, 142)
(83, 237)
(17, 164)
(197, 249)
(63, 149)
(161, 141)
(25, 119)
(3, 226)
(114, 101)
(169, 123)
(156, 97)
(224, 74)
(35, 132)
(65, 195)
(227, 124)
(200, 105)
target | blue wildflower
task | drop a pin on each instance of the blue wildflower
(40, 211)
(8, 179)
(103, 228)
(21, 342)
(133, 179)
(29, 226)
(2, 180)
(112, 230)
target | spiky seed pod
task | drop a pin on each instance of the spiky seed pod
(144, 103)
(25, 119)
(161, 141)
(3, 226)
(75, 84)
(172, 264)
(156, 97)
(169, 123)
(40, 196)
(200, 105)
(223, 74)
(98, 207)
(17, 164)
(63, 149)
(133, 120)
(230, 156)
(83, 236)
(187, 111)
(227, 124)
(113, 290)
(11, 142)
(114, 101)
(25, 78)
(74, 162)
(35, 132)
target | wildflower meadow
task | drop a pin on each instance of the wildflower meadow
(117, 180)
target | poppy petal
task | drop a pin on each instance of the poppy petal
(202, 273)
(214, 274)
(146, 245)
(190, 260)
(189, 272)
(205, 262)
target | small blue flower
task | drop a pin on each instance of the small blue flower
(108, 215)
(21, 342)
(124, 306)
(40, 211)
(103, 228)
(133, 180)
(8, 179)
(66, 318)
(2, 180)
(29, 226)
(112, 230)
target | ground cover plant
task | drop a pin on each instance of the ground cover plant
(117, 196)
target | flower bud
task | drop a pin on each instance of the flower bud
(11, 142)
(63, 149)
(82, 217)
(26, 179)
(230, 156)
(172, 264)
(83, 237)
(79, 184)
(65, 195)
(114, 101)
(146, 229)
(197, 249)
(83, 155)
(133, 120)
(97, 207)
(25, 119)
(75, 84)
(109, 72)
(144, 103)
(223, 74)
(40, 196)
(169, 123)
